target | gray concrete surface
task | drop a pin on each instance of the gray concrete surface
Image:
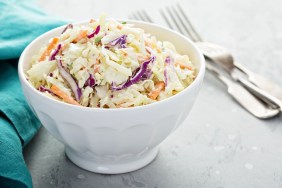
(220, 144)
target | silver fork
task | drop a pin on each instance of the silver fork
(239, 93)
(141, 15)
(261, 87)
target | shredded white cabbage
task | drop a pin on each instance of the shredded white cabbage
(115, 58)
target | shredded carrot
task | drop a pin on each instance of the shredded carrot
(92, 21)
(159, 50)
(96, 69)
(142, 57)
(98, 61)
(63, 95)
(156, 92)
(50, 47)
(148, 43)
(64, 47)
(123, 52)
(82, 34)
(183, 66)
(119, 27)
(82, 68)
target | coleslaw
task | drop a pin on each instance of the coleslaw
(108, 64)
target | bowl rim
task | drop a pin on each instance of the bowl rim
(197, 81)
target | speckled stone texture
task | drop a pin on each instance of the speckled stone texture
(220, 144)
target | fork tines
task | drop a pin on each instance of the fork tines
(177, 19)
(141, 15)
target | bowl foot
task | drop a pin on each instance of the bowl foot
(111, 167)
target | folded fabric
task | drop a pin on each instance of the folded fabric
(20, 22)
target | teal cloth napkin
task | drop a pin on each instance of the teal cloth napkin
(20, 22)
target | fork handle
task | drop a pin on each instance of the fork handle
(261, 93)
(261, 82)
(243, 96)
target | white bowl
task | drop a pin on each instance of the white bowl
(113, 141)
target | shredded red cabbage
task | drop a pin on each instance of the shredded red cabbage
(90, 81)
(147, 74)
(67, 76)
(52, 57)
(136, 76)
(97, 30)
(69, 26)
(167, 61)
(44, 89)
(120, 41)
(165, 76)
